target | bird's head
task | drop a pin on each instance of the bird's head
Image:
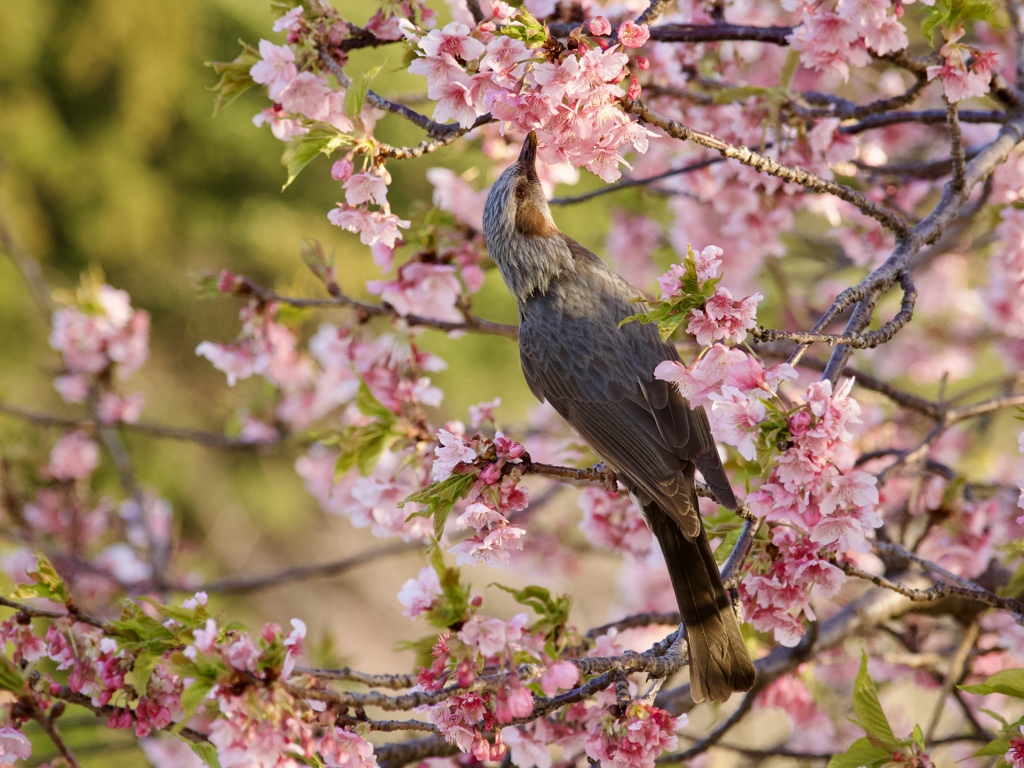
(522, 238)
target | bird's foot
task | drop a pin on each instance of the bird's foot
(609, 480)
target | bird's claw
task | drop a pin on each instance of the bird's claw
(609, 480)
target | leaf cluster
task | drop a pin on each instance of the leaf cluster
(879, 746)
(362, 446)
(440, 498)
(693, 294)
(951, 14)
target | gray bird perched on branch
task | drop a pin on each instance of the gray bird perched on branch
(600, 378)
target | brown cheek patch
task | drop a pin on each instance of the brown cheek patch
(530, 221)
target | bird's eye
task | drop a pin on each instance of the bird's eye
(520, 193)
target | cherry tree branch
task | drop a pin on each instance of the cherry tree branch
(956, 141)
(935, 592)
(925, 232)
(242, 585)
(208, 439)
(767, 165)
(924, 117)
(248, 287)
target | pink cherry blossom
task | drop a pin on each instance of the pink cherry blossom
(734, 418)
(705, 376)
(344, 749)
(14, 746)
(419, 594)
(276, 68)
(72, 387)
(114, 408)
(281, 125)
(453, 194)
(634, 739)
(308, 95)
(452, 39)
(426, 290)
(372, 226)
(599, 25)
(856, 489)
(633, 35)
(451, 451)
(559, 675)
(74, 457)
(493, 548)
(610, 519)
(366, 187)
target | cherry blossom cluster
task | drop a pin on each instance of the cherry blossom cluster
(811, 729)
(147, 664)
(98, 335)
(304, 98)
(819, 508)
(317, 383)
(816, 507)
(719, 316)
(495, 494)
(634, 738)
(967, 70)
(568, 97)
(481, 643)
(833, 36)
(611, 520)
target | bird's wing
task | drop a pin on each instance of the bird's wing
(600, 378)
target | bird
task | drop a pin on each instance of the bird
(599, 377)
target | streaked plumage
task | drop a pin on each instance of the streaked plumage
(600, 379)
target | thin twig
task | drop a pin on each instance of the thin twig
(208, 439)
(716, 735)
(767, 165)
(243, 585)
(956, 672)
(247, 287)
(629, 183)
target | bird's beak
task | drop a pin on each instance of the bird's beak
(528, 154)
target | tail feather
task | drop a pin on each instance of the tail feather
(719, 660)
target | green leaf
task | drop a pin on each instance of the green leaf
(453, 606)
(868, 708)
(527, 29)
(1009, 682)
(369, 405)
(692, 294)
(789, 68)
(553, 612)
(355, 95)
(439, 498)
(46, 582)
(206, 752)
(950, 14)
(861, 753)
(362, 446)
(739, 93)
(996, 748)
(995, 716)
(321, 139)
(11, 678)
(191, 699)
(234, 76)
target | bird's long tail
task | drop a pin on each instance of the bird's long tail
(719, 660)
